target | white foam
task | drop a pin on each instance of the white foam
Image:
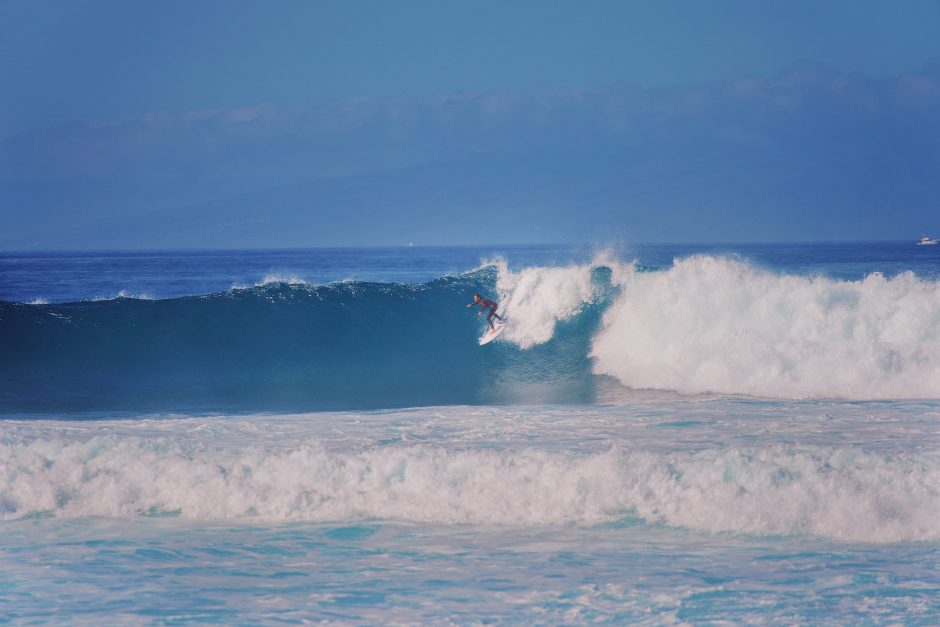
(839, 493)
(38, 301)
(713, 324)
(274, 278)
(536, 299)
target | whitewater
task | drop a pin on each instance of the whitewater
(673, 434)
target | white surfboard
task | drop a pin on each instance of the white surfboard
(492, 334)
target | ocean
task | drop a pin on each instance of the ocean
(740, 433)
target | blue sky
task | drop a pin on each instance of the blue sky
(374, 123)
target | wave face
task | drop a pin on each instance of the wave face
(705, 325)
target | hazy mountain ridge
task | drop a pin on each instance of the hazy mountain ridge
(803, 155)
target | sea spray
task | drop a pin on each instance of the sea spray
(539, 298)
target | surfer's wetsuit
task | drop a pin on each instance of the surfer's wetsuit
(485, 304)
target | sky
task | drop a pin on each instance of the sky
(221, 124)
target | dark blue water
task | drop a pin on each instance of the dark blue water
(55, 277)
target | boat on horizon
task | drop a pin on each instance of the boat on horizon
(926, 241)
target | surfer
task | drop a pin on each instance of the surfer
(485, 304)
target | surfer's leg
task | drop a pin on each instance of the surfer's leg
(489, 319)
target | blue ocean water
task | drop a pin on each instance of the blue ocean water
(662, 434)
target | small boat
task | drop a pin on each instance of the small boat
(926, 241)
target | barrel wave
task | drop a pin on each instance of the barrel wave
(703, 325)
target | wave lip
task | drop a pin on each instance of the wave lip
(124, 294)
(843, 494)
(277, 278)
(712, 324)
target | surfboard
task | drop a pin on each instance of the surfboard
(492, 334)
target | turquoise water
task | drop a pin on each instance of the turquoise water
(667, 436)
(167, 572)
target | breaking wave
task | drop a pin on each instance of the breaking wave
(840, 493)
(713, 324)
(704, 325)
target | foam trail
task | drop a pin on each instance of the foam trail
(720, 325)
(839, 493)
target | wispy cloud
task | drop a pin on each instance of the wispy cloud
(457, 123)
